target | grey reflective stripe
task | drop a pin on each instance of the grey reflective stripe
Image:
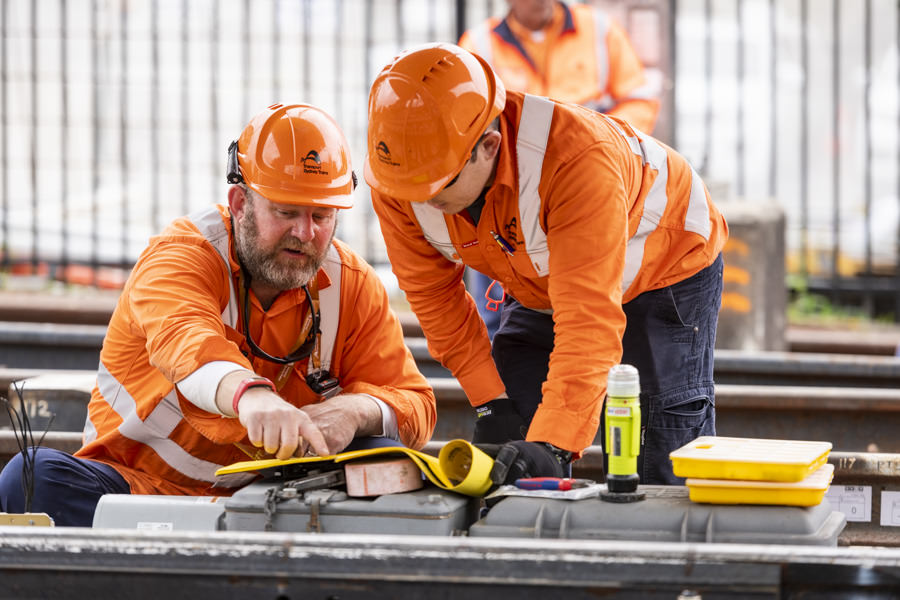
(90, 432)
(209, 222)
(481, 39)
(434, 227)
(601, 53)
(696, 220)
(531, 145)
(329, 303)
(154, 431)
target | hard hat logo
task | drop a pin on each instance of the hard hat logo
(384, 154)
(269, 159)
(313, 164)
(430, 105)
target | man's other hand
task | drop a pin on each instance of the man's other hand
(498, 422)
(519, 459)
(344, 417)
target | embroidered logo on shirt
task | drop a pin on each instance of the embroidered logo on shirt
(510, 231)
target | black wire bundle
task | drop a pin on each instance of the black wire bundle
(21, 425)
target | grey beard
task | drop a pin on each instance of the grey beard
(264, 266)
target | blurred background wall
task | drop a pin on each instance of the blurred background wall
(115, 117)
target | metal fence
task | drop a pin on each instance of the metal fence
(115, 114)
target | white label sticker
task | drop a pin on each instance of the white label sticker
(855, 501)
(154, 526)
(618, 411)
(890, 509)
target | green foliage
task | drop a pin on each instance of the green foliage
(807, 308)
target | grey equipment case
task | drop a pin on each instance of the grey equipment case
(665, 515)
(268, 506)
(428, 511)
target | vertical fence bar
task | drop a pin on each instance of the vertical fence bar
(739, 101)
(185, 109)
(804, 139)
(156, 213)
(245, 58)
(836, 150)
(673, 60)
(432, 16)
(64, 135)
(773, 101)
(276, 55)
(4, 134)
(398, 21)
(868, 301)
(460, 18)
(367, 61)
(33, 125)
(339, 59)
(708, 77)
(897, 162)
(306, 28)
(123, 127)
(95, 153)
(216, 163)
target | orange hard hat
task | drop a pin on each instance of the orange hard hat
(427, 110)
(294, 154)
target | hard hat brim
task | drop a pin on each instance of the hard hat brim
(281, 197)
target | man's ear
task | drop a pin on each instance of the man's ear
(491, 143)
(237, 200)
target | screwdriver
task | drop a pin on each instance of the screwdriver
(551, 483)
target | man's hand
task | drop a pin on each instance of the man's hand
(498, 422)
(519, 459)
(279, 427)
(344, 417)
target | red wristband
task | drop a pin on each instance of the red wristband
(250, 382)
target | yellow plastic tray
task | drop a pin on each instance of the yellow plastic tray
(749, 459)
(808, 492)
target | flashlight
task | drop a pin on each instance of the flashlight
(623, 428)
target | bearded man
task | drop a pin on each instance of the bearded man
(245, 330)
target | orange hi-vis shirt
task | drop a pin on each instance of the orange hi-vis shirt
(596, 214)
(581, 56)
(179, 310)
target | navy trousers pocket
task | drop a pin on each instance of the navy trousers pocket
(673, 420)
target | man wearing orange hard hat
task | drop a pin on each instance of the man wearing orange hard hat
(605, 241)
(244, 329)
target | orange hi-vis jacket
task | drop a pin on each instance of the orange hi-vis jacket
(596, 213)
(584, 57)
(180, 310)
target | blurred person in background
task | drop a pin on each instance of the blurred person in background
(243, 330)
(574, 53)
(605, 240)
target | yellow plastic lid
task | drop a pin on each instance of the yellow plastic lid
(808, 492)
(749, 459)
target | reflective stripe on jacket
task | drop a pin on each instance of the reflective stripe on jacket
(179, 311)
(590, 62)
(620, 214)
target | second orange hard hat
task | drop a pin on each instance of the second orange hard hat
(427, 110)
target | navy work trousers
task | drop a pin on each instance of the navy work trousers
(65, 487)
(669, 337)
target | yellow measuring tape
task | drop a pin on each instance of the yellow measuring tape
(459, 467)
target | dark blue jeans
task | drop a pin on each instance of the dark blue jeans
(669, 337)
(66, 488)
